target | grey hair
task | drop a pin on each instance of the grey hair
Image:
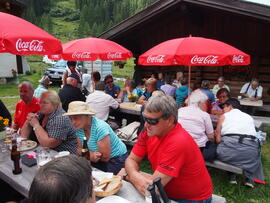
(221, 78)
(100, 86)
(28, 84)
(205, 84)
(180, 73)
(164, 104)
(255, 80)
(67, 179)
(197, 97)
(53, 97)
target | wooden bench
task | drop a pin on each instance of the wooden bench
(224, 166)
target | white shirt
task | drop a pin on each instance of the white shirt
(86, 81)
(251, 92)
(238, 122)
(101, 103)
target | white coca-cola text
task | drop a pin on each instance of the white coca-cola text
(116, 55)
(238, 59)
(155, 59)
(210, 59)
(81, 55)
(34, 45)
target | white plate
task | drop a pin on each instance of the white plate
(113, 199)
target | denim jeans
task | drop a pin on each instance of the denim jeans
(193, 201)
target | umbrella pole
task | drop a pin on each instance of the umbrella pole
(189, 77)
(92, 66)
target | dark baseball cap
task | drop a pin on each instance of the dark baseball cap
(233, 102)
(75, 76)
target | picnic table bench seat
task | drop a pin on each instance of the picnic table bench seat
(224, 166)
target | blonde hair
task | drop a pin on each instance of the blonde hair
(52, 96)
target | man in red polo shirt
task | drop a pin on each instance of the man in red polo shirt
(27, 104)
(173, 154)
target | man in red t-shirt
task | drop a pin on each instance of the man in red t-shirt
(27, 104)
(173, 154)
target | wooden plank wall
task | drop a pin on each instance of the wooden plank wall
(246, 33)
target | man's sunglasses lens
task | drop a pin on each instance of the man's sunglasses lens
(151, 121)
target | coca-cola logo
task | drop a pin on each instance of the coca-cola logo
(81, 55)
(116, 55)
(210, 59)
(156, 59)
(238, 59)
(34, 45)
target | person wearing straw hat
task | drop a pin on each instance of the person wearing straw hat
(107, 152)
(43, 86)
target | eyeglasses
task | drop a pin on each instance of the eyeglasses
(108, 82)
(152, 121)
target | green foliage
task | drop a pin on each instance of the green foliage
(28, 72)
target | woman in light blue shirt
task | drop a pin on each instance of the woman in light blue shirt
(107, 152)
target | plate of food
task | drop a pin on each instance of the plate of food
(25, 145)
(107, 186)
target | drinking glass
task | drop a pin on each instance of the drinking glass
(43, 156)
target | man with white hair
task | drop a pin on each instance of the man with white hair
(173, 154)
(195, 120)
(178, 80)
(252, 90)
(70, 92)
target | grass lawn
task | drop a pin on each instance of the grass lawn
(232, 193)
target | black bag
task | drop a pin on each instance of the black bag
(210, 151)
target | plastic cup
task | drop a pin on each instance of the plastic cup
(239, 97)
(43, 156)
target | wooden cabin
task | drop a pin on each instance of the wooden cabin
(241, 24)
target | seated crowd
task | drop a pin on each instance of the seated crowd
(175, 128)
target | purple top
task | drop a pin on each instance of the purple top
(168, 89)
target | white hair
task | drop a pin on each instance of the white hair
(197, 97)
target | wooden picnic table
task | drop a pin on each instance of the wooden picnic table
(130, 108)
(22, 182)
(247, 102)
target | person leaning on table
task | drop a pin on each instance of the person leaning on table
(107, 152)
(173, 154)
(252, 90)
(63, 180)
(49, 127)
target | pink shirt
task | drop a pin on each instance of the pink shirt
(196, 122)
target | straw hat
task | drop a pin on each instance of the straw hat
(79, 108)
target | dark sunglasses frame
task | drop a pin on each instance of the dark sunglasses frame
(109, 82)
(152, 121)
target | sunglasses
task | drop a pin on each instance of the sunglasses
(108, 82)
(151, 121)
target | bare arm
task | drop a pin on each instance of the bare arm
(42, 135)
(139, 180)
(104, 147)
(218, 129)
(142, 100)
(64, 78)
(26, 130)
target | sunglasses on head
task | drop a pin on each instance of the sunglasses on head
(152, 121)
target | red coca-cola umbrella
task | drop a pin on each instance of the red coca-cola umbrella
(91, 49)
(20, 37)
(193, 51)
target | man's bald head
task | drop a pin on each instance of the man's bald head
(72, 81)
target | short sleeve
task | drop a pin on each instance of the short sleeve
(59, 127)
(260, 90)
(140, 147)
(244, 88)
(208, 124)
(172, 160)
(101, 131)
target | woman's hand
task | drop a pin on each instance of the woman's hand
(32, 119)
(95, 156)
